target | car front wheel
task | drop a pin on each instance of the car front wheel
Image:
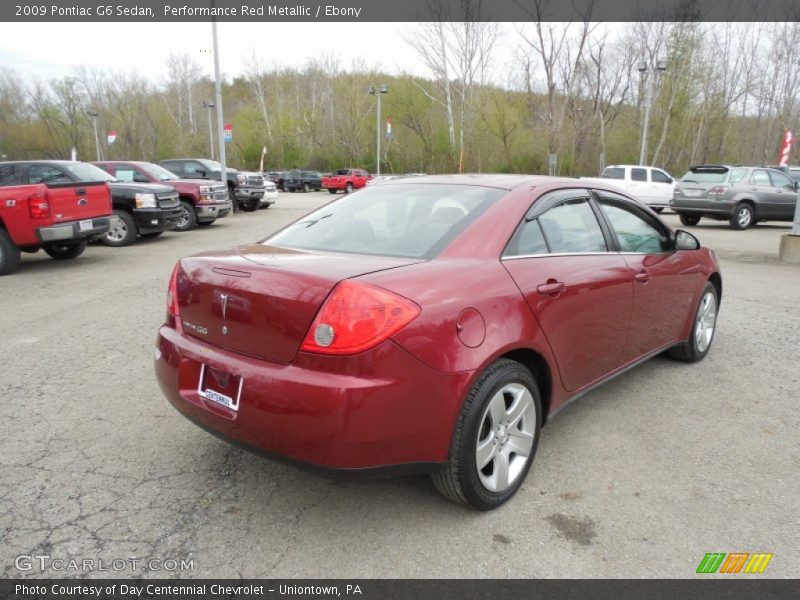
(188, 218)
(495, 438)
(348, 188)
(689, 220)
(703, 328)
(743, 216)
(122, 231)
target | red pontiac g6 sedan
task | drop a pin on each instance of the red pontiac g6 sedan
(431, 324)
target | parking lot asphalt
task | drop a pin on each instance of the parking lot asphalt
(639, 478)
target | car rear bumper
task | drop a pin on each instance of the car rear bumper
(381, 410)
(210, 212)
(150, 220)
(72, 230)
(702, 205)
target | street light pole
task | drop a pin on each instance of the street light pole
(218, 94)
(209, 105)
(643, 67)
(384, 89)
(94, 116)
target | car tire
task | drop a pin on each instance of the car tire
(743, 216)
(122, 231)
(65, 250)
(704, 326)
(284, 187)
(332, 191)
(505, 390)
(188, 219)
(10, 255)
(306, 188)
(689, 220)
(348, 188)
(249, 205)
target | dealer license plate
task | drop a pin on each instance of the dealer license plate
(693, 193)
(86, 225)
(220, 387)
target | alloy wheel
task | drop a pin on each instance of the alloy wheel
(744, 216)
(183, 221)
(117, 231)
(506, 437)
(705, 322)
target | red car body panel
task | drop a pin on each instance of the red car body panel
(398, 402)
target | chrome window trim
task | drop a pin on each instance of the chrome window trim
(502, 258)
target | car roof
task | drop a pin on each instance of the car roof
(42, 162)
(496, 180)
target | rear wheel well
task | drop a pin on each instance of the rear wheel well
(750, 202)
(537, 365)
(716, 281)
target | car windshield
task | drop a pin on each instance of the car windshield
(88, 173)
(700, 175)
(213, 165)
(157, 172)
(410, 221)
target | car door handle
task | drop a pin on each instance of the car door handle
(642, 276)
(551, 288)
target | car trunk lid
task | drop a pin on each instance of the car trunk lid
(260, 300)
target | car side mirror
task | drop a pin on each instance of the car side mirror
(202, 173)
(686, 241)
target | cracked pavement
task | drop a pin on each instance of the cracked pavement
(639, 478)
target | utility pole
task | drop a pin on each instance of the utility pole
(94, 116)
(209, 105)
(383, 89)
(218, 94)
(648, 72)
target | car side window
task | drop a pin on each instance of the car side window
(572, 227)
(736, 175)
(9, 175)
(760, 177)
(528, 240)
(634, 231)
(46, 174)
(174, 166)
(194, 169)
(638, 174)
(659, 177)
(125, 174)
(780, 180)
(613, 173)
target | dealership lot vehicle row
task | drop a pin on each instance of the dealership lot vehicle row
(99, 465)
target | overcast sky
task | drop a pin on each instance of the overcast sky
(49, 50)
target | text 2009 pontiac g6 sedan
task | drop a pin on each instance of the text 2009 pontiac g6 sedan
(431, 324)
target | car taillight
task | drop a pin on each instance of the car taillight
(39, 207)
(172, 298)
(718, 190)
(356, 317)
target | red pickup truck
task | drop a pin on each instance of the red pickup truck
(59, 218)
(346, 179)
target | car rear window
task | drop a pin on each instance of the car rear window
(410, 221)
(706, 175)
(613, 173)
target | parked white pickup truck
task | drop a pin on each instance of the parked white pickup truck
(651, 186)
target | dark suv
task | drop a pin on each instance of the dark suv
(743, 196)
(302, 180)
